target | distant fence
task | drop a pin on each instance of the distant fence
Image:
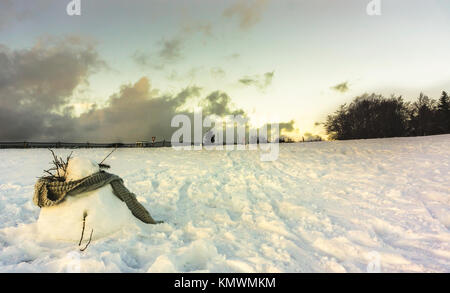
(70, 145)
(88, 145)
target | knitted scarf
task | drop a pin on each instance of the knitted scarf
(49, 193)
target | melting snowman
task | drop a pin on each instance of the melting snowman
(98, 212)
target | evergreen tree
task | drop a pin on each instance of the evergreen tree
(423, 116)
(444, 113)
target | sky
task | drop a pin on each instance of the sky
(126, 63)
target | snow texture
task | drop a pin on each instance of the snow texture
(347, 206)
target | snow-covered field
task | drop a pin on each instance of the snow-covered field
(321, 207)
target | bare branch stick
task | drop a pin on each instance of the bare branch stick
(90, 238)
(108, 155)
(84, 224)
(59, 166)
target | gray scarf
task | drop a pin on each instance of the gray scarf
(48, 193)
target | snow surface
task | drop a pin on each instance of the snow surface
(79, 168)
(321, 207)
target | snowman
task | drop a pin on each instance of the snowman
(92, 214)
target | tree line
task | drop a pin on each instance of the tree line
(375, 116)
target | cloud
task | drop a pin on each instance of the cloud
(196, 26)
(287, 126)
(342, 87)
(307, 136)
(217, 72)
(248, 12)
(219, 103)
(169, 52)
(188, 76)
(286, 130)
(136, 112)
(260, 82)
(268, 76)
(247, 81)
(37, 86)
(36, 94)
(233, 56)
(141, 58)
(37, 83)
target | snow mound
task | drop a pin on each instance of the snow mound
(105, 213)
